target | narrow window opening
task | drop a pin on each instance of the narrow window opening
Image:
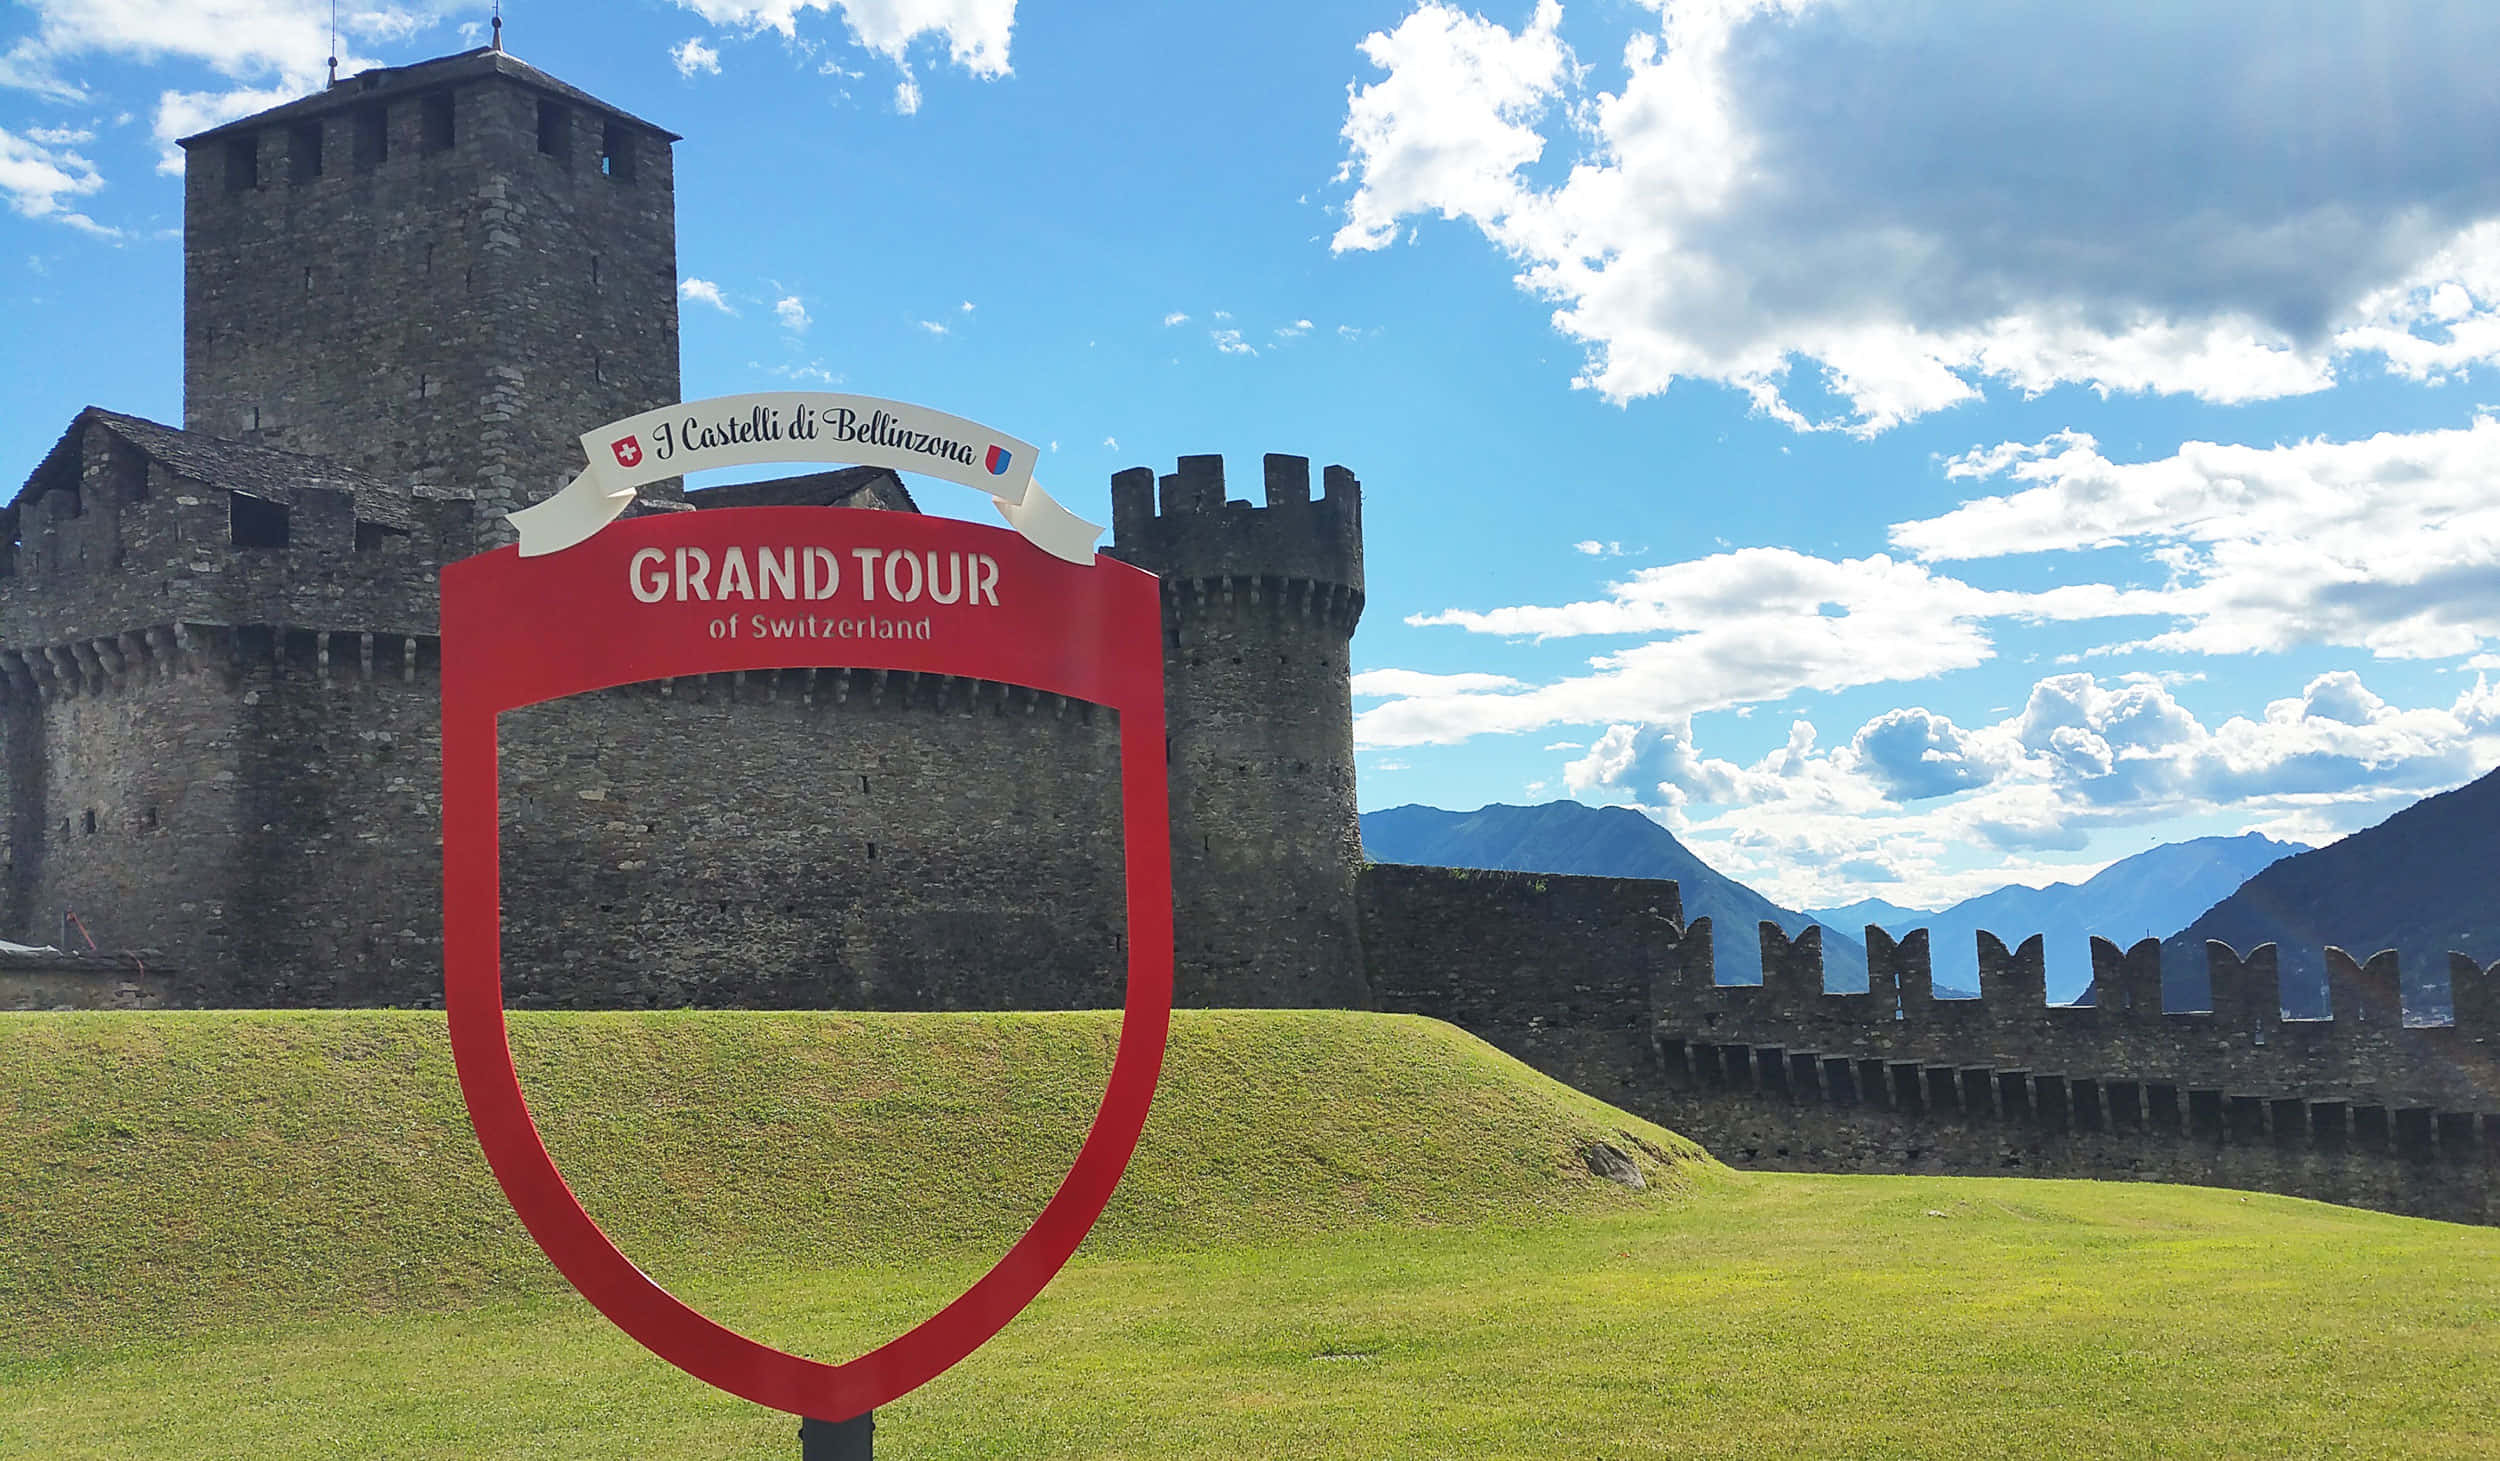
(552, 130)
(616, 152)
(594, 271)
(863, 783)
(147, 819)
(242, 164)
(254, 523)
(308, 278)
(304, 152)
(90, 821)
(373, 136)
(872, 852)
(256, 418)
(434, 109)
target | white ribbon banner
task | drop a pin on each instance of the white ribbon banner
(800, 426)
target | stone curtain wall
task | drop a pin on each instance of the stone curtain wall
(124, 801)
(1794, 1110)
(2366, 1051)
(1594, 982)
(1555, 970)
(336, 872)
(846, 839)
(2363, 1108)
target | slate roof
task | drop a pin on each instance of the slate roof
(256, 471)
(390, 81)
(814, 489)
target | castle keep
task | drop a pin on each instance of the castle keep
(406, 294)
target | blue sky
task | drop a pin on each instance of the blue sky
(1904, 452)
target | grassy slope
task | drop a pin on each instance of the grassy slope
(1291, 1274)
(1770, 1316)
(166, 1173)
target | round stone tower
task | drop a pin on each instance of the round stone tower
(1259, 608)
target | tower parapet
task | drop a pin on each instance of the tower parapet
(436, 274)
(1308, 549)
(1259, 609)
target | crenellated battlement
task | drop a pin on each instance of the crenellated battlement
(129, 523)
(2371, 1048)
(1297, 555)
(528, 225)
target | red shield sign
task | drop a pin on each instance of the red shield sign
(698, 593)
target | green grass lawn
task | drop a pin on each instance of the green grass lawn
(1345, 1235)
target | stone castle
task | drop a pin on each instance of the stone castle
(218, 731)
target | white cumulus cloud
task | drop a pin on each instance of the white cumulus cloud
(271, 50)
(976, 34)
(1898, 807)
(40, 171)
(703, 291)
(1752, 624)
(2389, 543)
(792, 312)
(1861, 213)
(691, 56)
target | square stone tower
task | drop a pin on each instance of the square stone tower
(438, 275)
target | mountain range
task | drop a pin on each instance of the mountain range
(2423, 882)
(2145, 896)
(2152, 894)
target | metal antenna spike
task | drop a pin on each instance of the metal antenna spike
(334, 42)
(498, 20)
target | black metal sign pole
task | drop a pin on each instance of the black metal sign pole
(849, 1440)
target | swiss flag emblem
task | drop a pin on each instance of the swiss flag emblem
(628, 451)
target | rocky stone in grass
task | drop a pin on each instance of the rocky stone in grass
(1608, 1162)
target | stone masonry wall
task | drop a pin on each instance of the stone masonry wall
(1793, 1110)
(64, 981)
(1259, 609)
(132, 548)
(2366, 1052)
(136, 842)
(1555, 970)
(435, 315)
(1592, 981)
(830, 838)
(337, 874)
